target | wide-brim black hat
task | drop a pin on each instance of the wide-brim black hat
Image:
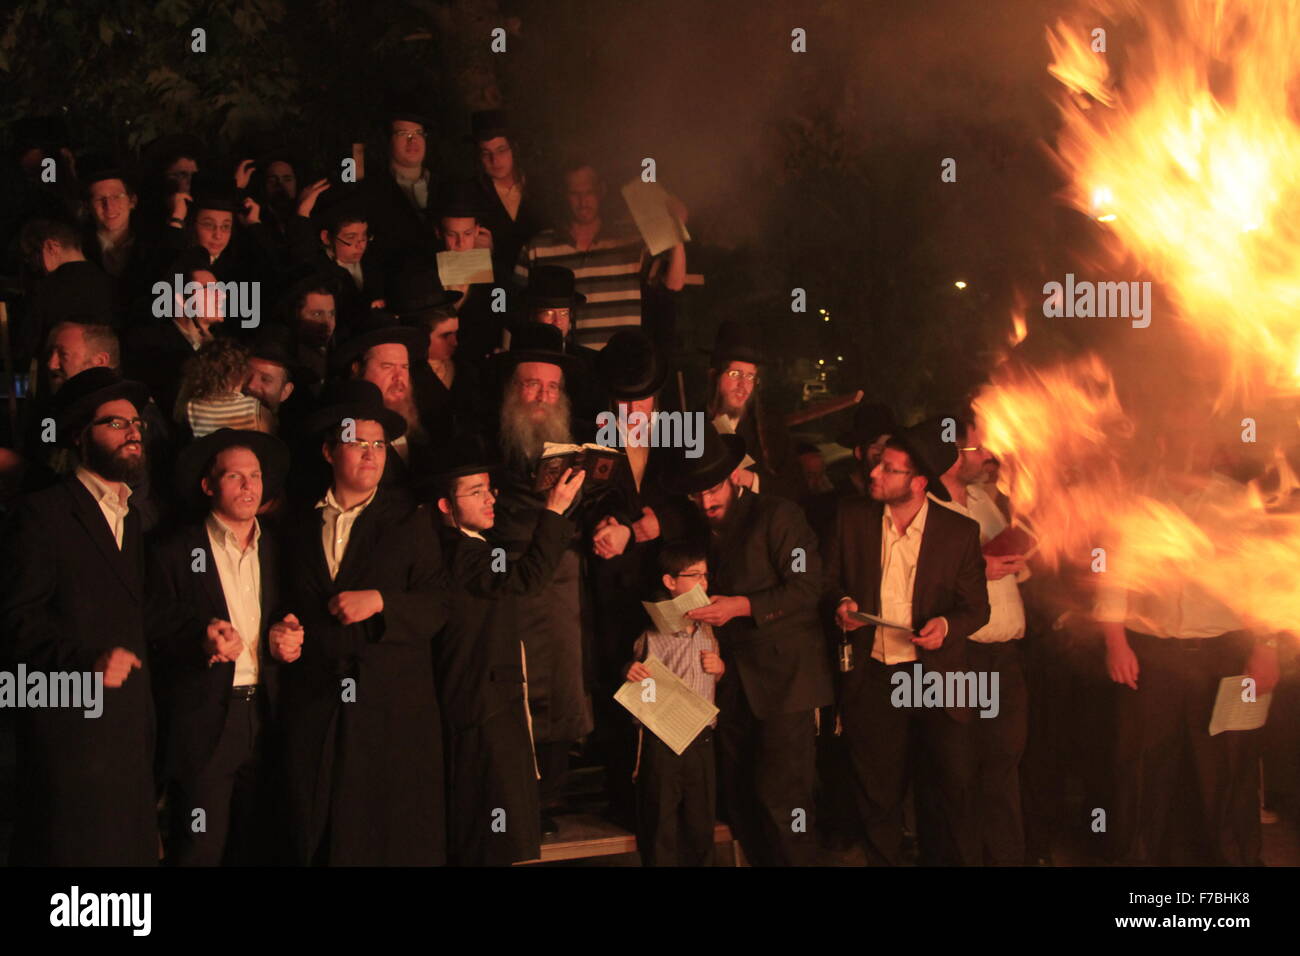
(341, 202)
(380, 328)
(536, 342)
(196, 459)
(467, 454)
(870, 421)
(211, 192)
(76, 401)
(552, 287)
(358, 400)
(98, 169)
(488, 124)
(417, 292)
(719, 457)
(734, 343)
(630, 366)
(277, 344)
(930, 454)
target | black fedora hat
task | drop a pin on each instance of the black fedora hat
(277, 344)
(405, 109)
(342, 202)
(719, 457)
(930, 454)
(488, 124)
(536, 342)
(211, 192)
(734, 343)
(467, 454)
(552, 287)
(630, 366)
(76, 401)
(380, 327)
(196, 458)
(460, 201)
(870, 421)
(358, 400)
(417, 292)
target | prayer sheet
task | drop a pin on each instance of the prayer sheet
(465, 268)
(648, 203)
(669, 616)
(668, 708)
(1233, 713)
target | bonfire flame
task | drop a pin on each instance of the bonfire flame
(1191, 159)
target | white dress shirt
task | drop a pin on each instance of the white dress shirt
(113, 504)
(898, 557)
(240, 570)
(1006, 609)
(336, 527)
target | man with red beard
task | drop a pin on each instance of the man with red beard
(382, 354)
(535, 410)
(74, 603)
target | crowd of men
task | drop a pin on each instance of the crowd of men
(354, 627)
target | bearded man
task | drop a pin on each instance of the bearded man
(73, 603)
(535, 410)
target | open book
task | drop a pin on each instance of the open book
(597, 460)
(669, 616)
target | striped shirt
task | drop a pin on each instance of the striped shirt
(680, 653)
(232, 410)
(608, 274)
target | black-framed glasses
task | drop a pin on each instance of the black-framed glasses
(479, 493)
(357, 241)
(895, 471)
(692, 574)
(118, 423)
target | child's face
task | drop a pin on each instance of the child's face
(697, 573)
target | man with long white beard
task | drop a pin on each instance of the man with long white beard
(535, 410)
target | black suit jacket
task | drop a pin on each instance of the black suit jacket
(85, 785)
(192, 697)
(949, 580)
(777, 652)
(371, 768)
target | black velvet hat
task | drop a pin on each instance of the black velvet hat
(630, 366)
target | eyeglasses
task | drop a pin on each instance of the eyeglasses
(493, 492)
(117, 423)
(736, 374)
(692, 574)
(378, 444)
(550, 388)
(322, 314)
(214, 226)
(351, 241)
(894, 471)
(410, 134)
(109, 200)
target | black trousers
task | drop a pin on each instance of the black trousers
(999, 744)
(676, 802)
(492, 796)
(767, 769)
(1162, 724)
(886, 745)
(232, 827)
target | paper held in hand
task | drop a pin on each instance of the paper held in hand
(862, 617)
(667, 707)
(1233, 713)
(669, 616)
(648, 203)
(464, 268)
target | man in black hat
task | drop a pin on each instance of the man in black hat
(536, 410)
(446, 388)
(274, 369)
(74, 602)
(383, 353)
(492, 796)
(360, 713)
(873, 424)
(330, 242)
(765, 583)
(111, 241)
(213, 596)
(551, 298)
(459, 229)
(735, 408)
(895, 556)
